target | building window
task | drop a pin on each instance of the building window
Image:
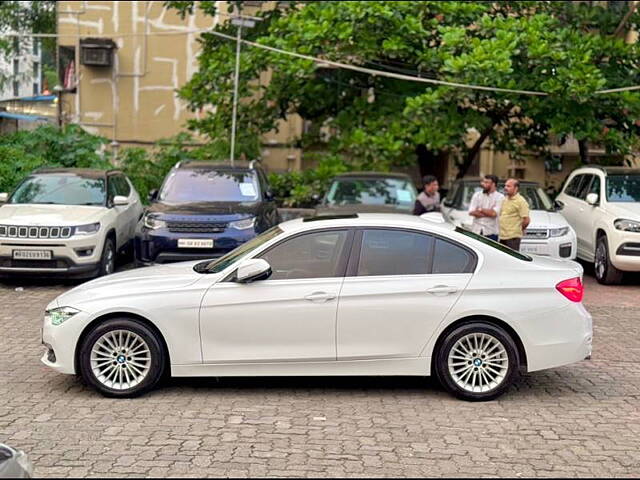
(66, 68)
(16, 45)
(16, 67)
(36, 70)
(16, 88)
(36, 89)
(36, 46)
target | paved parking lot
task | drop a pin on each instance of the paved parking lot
(581, 420)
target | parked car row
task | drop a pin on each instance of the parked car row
(75, 221)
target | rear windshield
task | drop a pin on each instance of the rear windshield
(206, 185)
(494, 244)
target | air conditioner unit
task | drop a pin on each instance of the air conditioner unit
(97, 52)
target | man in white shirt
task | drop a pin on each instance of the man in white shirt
(485, 208)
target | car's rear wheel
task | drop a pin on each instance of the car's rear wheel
(605, 272)
(477, 361)
(108, 258)
(122, 358)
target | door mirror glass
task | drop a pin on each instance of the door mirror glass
(558, 204)
(252, 270)
(120, 201)
(153, 194)
(4, 197)
(592, 199)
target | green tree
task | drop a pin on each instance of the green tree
(565, 49)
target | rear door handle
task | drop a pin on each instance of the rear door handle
(442, 290)
(320, 297)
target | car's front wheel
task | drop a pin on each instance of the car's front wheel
(121, 358)
(477, 361)
(605, 272)
(108, 258)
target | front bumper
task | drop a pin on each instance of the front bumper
(60, 343)
(75, 257)
(624, 250)
(161, 246)
(565, 247)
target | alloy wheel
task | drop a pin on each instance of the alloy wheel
(120, 359)
(478, 362)
(601, 259)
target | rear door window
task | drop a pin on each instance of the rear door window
(394, 252)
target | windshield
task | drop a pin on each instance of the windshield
(63, 189)
(223, 262)
(494, 244)
(533, 194)
(206, 185)
(372, 191)
(623, 188)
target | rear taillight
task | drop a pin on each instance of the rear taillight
(572, 289)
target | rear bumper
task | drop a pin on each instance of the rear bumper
(560, 338)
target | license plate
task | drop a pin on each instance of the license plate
(531, 249)
(32, 254)
(195, 243)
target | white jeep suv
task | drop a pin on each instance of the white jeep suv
(67, 221)
(602, 204)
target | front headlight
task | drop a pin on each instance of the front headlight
(88, 229)
(57, 316)
(153, 223)
(243, 224)
(627, 225)
(558, 232)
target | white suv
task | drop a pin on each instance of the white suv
(602, 204)
(67, 221)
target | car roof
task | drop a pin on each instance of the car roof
(366, 220)
(81, 172)
(402, 176)
(204, 165)
(500, 180)
(613, 170)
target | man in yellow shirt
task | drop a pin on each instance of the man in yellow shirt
(514, 215)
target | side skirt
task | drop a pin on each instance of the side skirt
(395, 366)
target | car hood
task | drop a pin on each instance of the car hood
(50, 215)
(544, 219)
(208, 209)
(359, 208)
(131, 283)
(630, 210)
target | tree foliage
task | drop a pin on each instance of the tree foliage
(565, 49)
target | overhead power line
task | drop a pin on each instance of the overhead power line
(322, 61)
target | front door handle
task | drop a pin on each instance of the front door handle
(442, 290)
(320, 297)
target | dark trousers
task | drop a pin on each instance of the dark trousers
(492, 237)
(512, 243)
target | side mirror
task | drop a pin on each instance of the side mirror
(558, 204)
(268, 195)
(252, 270)
(153, 194)
(120, 201)
(316, 197)
(4, 197)
(592, 199)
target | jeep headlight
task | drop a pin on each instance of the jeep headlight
(627, 225)
(243, 224)
(153, 223)
(57, 316)
(558, 232)
(88, 229)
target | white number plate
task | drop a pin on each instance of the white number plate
(535, 249)
(195, 243)
(32, 254)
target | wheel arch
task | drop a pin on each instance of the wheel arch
(130, 316)
(522, 354)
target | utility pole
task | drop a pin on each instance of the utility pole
(239, 21)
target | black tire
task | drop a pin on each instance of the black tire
(108, 257)
(156, 363)
(510, 362)
(605, 272)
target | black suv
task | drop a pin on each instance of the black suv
(204, 210)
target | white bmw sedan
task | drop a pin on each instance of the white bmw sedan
(369, 294)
